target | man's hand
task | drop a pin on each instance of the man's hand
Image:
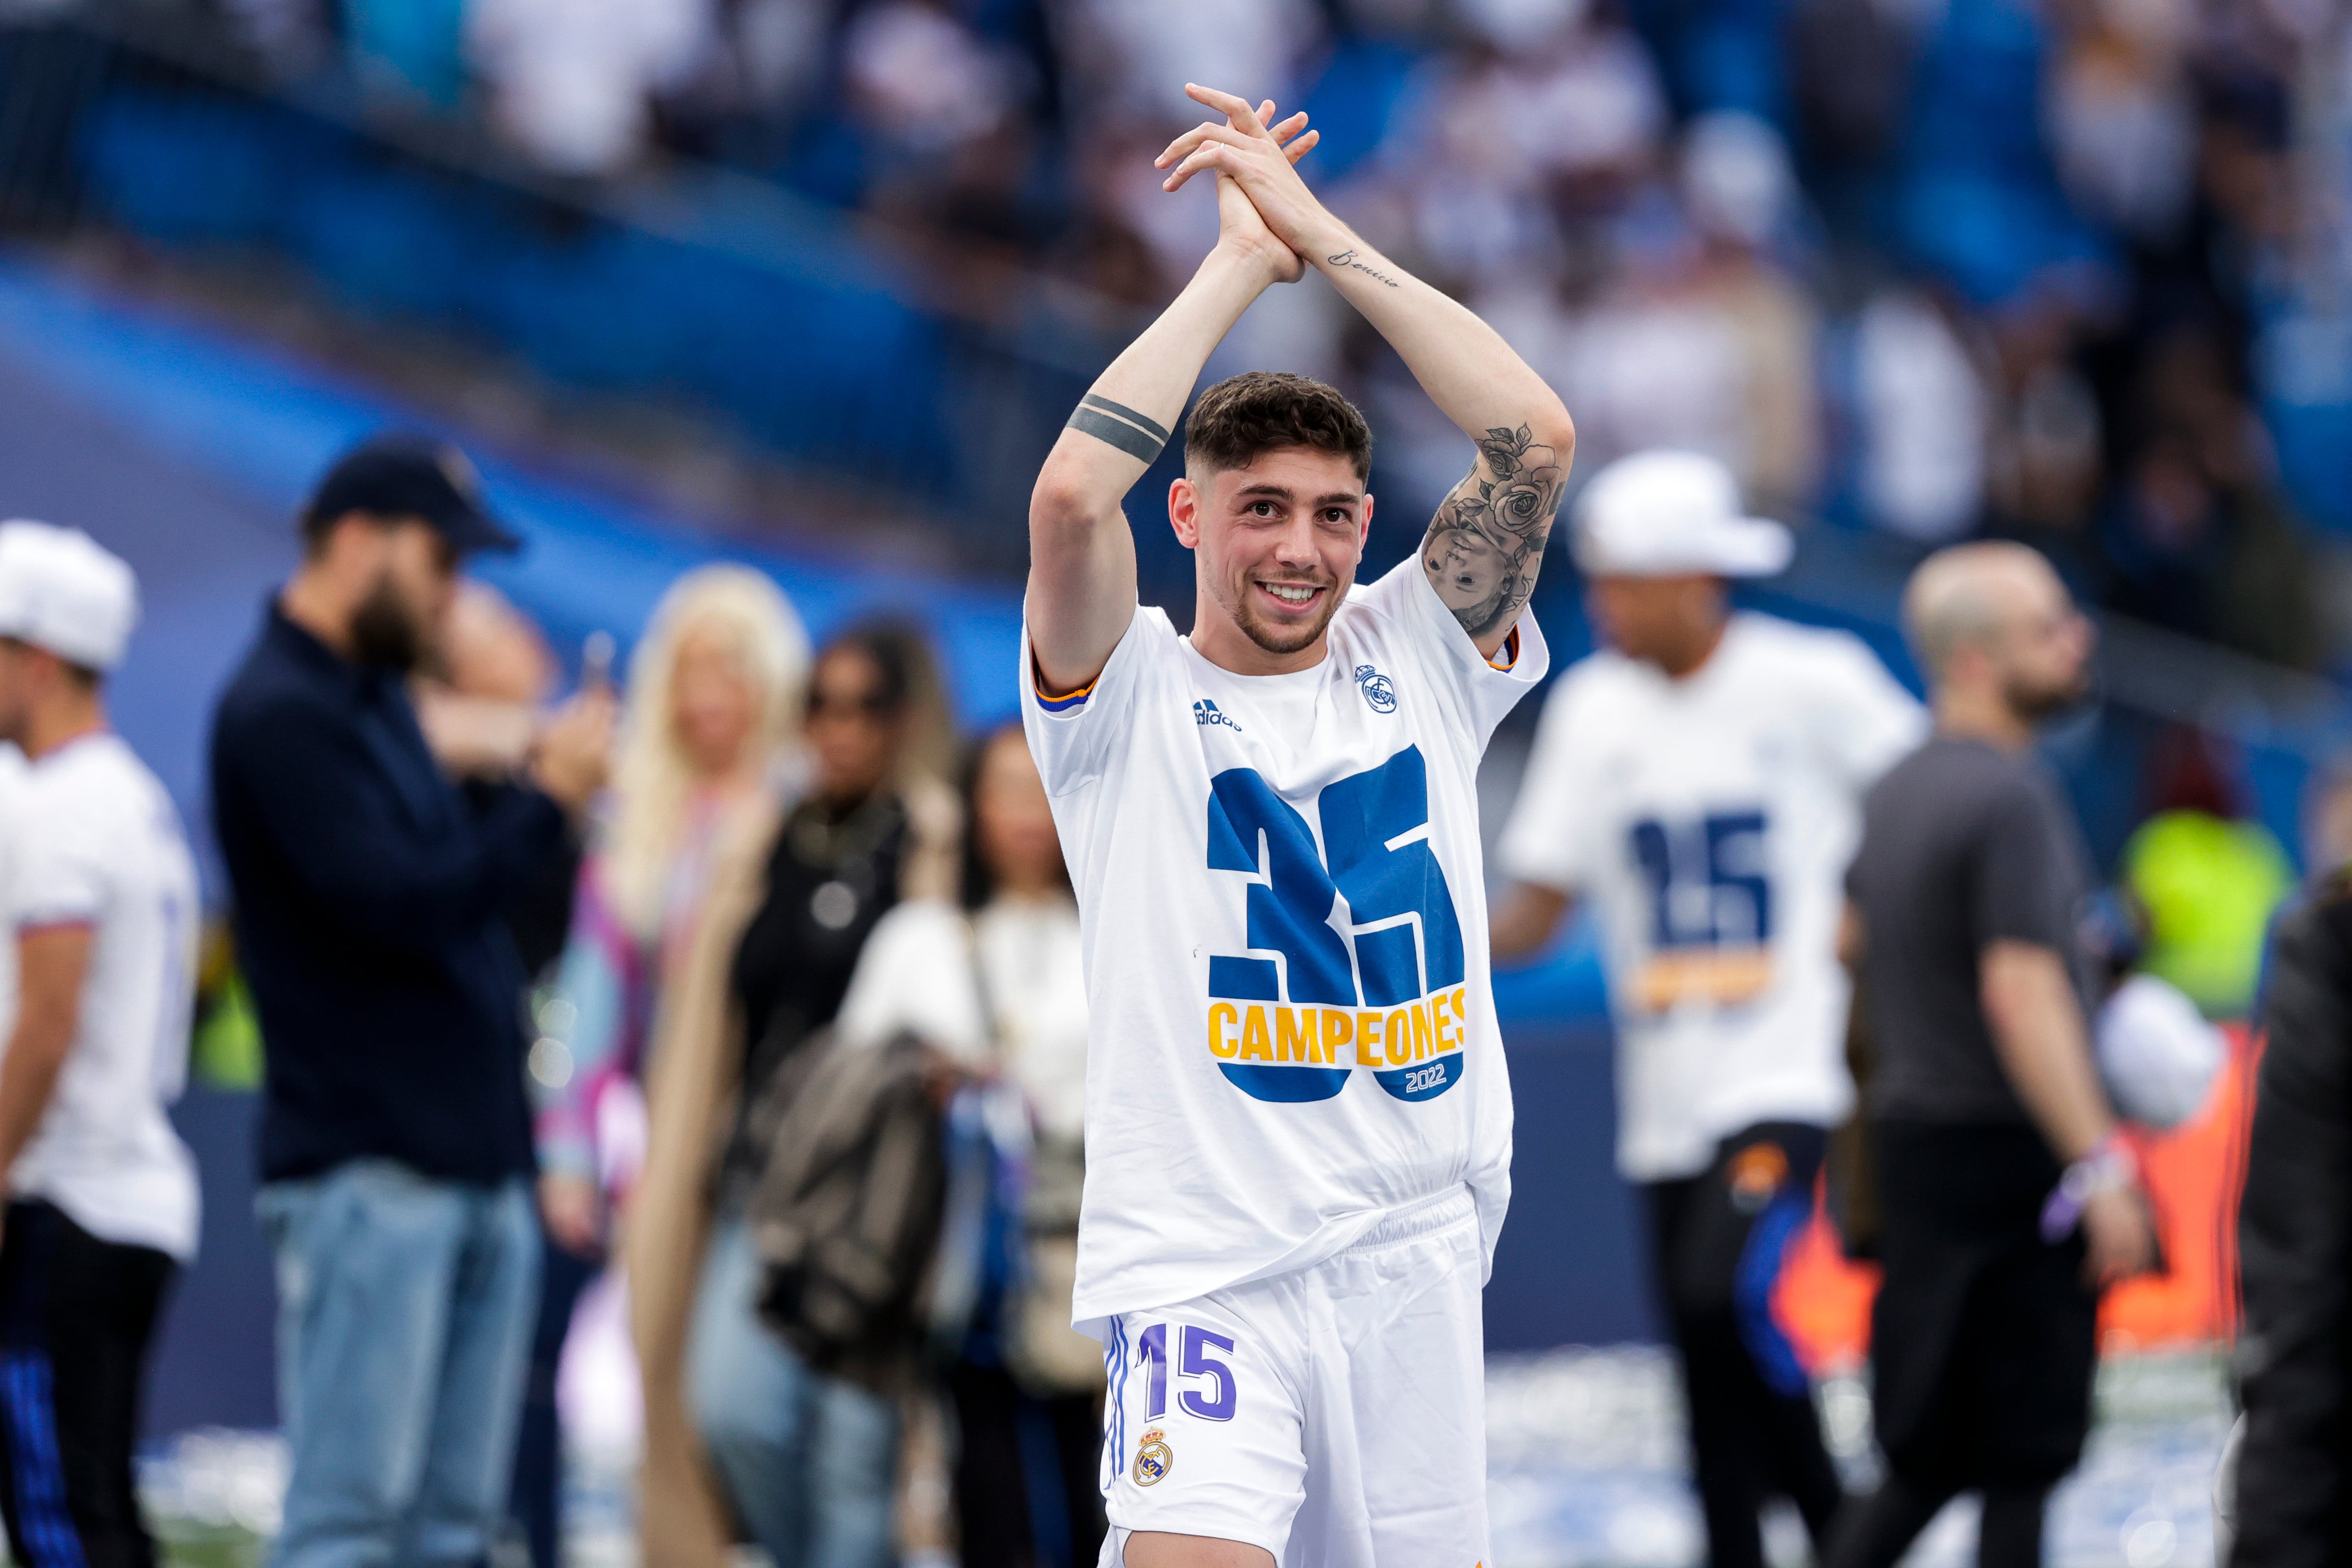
(2120, 1235)
(474, 737)
(573, 1212)
(1242, 229)
(575, 750)
(1262, 163)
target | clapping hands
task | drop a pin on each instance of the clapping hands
(1264, 211)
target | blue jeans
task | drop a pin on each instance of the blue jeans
(810, 1461)
(404, 1328)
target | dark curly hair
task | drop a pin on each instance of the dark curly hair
(1259, 411)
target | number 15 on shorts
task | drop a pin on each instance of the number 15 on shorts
(1205, 1389)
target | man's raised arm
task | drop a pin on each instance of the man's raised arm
(1486, 542)
(1081, 553)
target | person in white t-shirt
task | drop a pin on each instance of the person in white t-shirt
(1700, 781)
(102, 1205)
(1298, 1119)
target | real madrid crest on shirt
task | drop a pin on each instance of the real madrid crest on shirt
(1154, 1458)
(1379, 690)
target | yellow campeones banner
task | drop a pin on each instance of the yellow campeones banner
(1339, 1036)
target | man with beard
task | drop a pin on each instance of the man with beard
(2007, 1203)
(371, 899)
(1298, 1122)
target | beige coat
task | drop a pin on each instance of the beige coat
(692, 1084)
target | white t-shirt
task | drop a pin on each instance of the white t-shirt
(95, 841)
(1710, 821)
(12, 807)
(1278, 877)
(915, 974)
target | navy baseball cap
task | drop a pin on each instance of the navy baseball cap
(401, 475)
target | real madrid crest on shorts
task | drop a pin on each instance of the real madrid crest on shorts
(1154, 1458)
(1379, 690)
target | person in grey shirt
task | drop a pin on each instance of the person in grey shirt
(2007, 1202)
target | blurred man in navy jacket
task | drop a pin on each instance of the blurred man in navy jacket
(395, 1145)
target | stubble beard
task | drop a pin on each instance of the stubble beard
(2038, 703)
(1283, 640)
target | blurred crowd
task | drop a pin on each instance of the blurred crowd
(1935, 269)
(739, 1123)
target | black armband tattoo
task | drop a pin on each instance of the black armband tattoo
(1139, 435)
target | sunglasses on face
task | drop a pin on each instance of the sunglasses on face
(869, 705)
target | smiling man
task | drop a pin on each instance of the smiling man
(1298, 1124)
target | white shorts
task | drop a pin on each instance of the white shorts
(1335, 1416)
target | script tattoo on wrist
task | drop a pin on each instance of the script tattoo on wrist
(1487, 542)
(1347, 259)
(1139, 435)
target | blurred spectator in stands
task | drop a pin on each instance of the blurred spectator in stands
(1923, 411)
(2198, 538)
(712, 727)
(2120, 118)
(767, 55)
(2207, 874)
(572, 81)
(950, 149)
(1741, 195)
(2045, 441)
(2245, 183)
(1128, 61)
(995, 981)
(396, 1137)
(1849, 74)
(922, 82)
(1656, 361)
(805, 1461)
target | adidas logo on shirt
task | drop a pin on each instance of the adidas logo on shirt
(1206, 712)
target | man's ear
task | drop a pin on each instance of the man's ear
(1364, 533)
(1184, 512)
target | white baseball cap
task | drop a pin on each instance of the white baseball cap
(62, 591)
(1664, 514)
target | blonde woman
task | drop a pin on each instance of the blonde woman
(713, 716)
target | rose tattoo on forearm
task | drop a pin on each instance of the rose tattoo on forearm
(1486, 542)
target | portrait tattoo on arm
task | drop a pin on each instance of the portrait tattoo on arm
(1486, 542)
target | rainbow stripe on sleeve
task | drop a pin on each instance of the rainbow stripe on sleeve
(1508, 657)
(1066, 701)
